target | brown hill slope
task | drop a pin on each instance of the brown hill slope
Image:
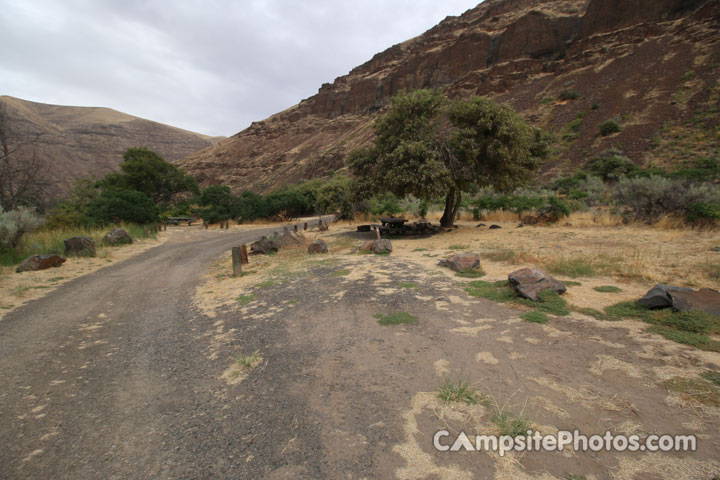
(77, 142)
(652, 64)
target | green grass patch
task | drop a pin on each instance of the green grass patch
(266, 284)
(535, 316)
(696, 389)
(245, 299)
(511, 424)
(495, 291)
(698, 340)
(470, 273)
(292, 301)
(339, 273)
(711, 376)
(398, 318)
(460, 391)
(420, 250)
(572, 283)
(249, 361)
(502, 255)
(407, 285)
(572, 268)
(383, 253)
(547, 100)
(548, 301)
(628, 309)
(590, 312)
(55, 279)
(607, 289)
(459, 247)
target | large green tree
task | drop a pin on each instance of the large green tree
(429, 146)
(145, 171)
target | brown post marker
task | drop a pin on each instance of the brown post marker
(236, 261)
(227, 225)
(377, 230)
(305, 226)
(295, 228)
(243, 254)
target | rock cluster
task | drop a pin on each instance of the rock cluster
(529, 282)
(682, 299)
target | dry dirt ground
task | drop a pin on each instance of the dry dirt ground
(165, 366)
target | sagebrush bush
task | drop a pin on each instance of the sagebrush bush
(610, 164)
(16, 223)
(650, 198)
(609, 127)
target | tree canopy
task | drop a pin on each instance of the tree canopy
(145, 171)
(428, 146)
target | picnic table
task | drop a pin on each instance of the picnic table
(392, 222)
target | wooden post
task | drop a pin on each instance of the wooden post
(295, 228)
(227, 225)
(236, 261)
(205, 224)
(377, 230)
(244, 255)
(305, 226)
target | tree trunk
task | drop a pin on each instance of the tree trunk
(448, 218)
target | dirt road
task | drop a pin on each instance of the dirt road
(105, 377)
(119, 375)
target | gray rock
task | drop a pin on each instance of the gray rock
(318, 246)
(117, 236)
(381, 246)
(40, 262)
(658, 296)
(79, 247)
(461, 262)
(715, 249)
(264, 246)
(494, 227)
(529, 282)
(706, 300)
(479, 225)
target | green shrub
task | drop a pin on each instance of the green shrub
(113, 206)
(607, 289)
(608, 127)
(594, 106)
(610, 164)
(16, 223)
(568, 95)
(510, 424)
(460, 391)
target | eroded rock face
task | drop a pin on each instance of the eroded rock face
(461, 262)
(79, 247)
(518, 52)
(318, 246)
(529, 282)
(117, 236)
(40, 262)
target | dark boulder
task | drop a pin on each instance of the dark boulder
(79, 247)
(529, 282)
(264, 246)
(40, 262)
(318, 246)
(382, 246)
(479, 225)
(494, 227)
(706, 300)
(461, 262)
(658, 296)
(117, 236)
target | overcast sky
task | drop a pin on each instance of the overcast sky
(210, 66)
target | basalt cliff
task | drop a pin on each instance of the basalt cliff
(653, 66)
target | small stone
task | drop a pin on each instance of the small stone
(40, 262)
(79, 247)
(706, 300)
(318, 246)
(461, 262)
(117, 236)
(658, 296)
(529, 282)
(494, 227)
(381, 246)
(479, 225)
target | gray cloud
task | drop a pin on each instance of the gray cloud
(210, 66)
